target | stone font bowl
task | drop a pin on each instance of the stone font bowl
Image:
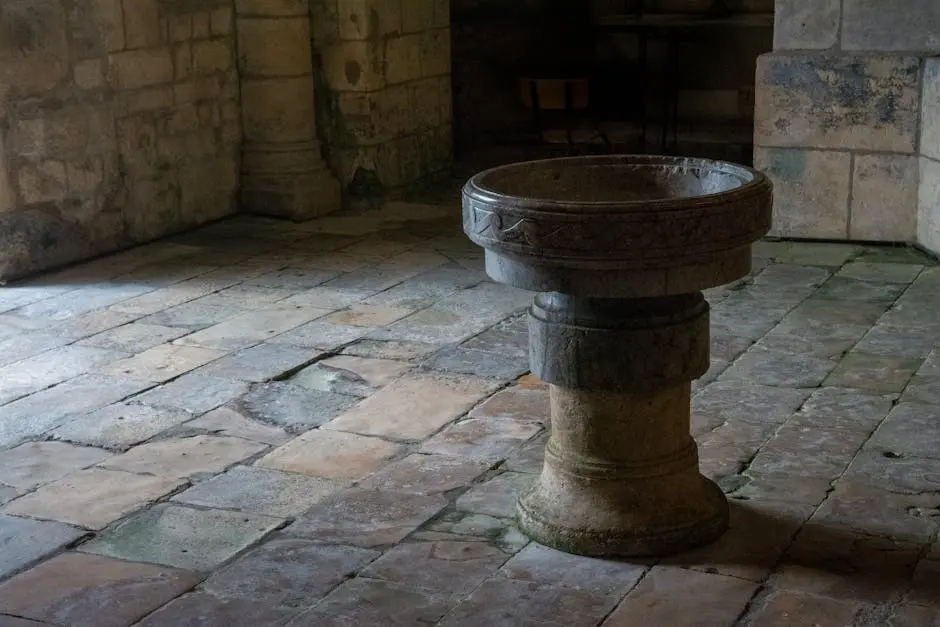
(617, 226)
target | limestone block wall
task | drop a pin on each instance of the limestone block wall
(384, 91)
(839, 121)
(119, 123)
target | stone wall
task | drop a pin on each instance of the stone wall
(839, 121)
(118, 124)
(384, 96)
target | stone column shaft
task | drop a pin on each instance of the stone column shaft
(283, 171)
(621, 470)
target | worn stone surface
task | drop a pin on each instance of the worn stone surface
(482, 438)
(289, 572)
(369, 602)
(812, 190)
(228, 422)
(212, 611)
(92, 498)
(177, 458)
(120, 426)
(794, 102)
(36, 463)
(331, 455)
(776, 450)
(445, 566)
(413, 407)
(426, 474)
(81, 589)
(26, 541)
(367, 517)
(259, 491)
(291, 406)
(173, 535)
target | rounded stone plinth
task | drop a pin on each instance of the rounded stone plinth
(620, 249)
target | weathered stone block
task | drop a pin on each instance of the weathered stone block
(811, 196)
(863, 102)
(930, 110)
(42, 182)
(272, 7)
(274, 47)
(806, 24)
(139, 68)
(419, 16)
(928, 209)
(884, 198)
(403, 58)
(212, 55)
(88, 74)
(870, 25)
(220, 21)
(435, 52)
(354, 66)
(141, 23)
(272, 113)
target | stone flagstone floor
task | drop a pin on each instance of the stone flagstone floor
(324, 425)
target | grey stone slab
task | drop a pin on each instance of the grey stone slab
(36, 463)
(194, 315)
(822, 310)
(501, 602)
(796, 93)
(776, 368)
(910, 342)
(740, 401)
(807, 337)
(854, 290)
(289, 572)
(895, 473)
(291, 406)
(82, 300)
(878, 373)
(293, 278)
(845, 409)
(496, 497)
(134, 337)
(41, 412)
(260, 363)
(390, 349)
(49, 368)
(867, 270)
(193, 392)
(260, 491)
(24, 541)
(866, 26)
(81, 589)
(509, 336)
(322, 335)
(910, 429)
(429, 286)
(227, 421)
(366, 518)
(542, 565)
(24, 345)
(426, 474)
(808, 451)
(193, 539)
(456, 567)
(368, 602)
(922, 390)
(800, 25)
(206, 610)
(119, 426)
(506, 366)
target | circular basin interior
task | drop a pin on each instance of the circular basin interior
(615, 180)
